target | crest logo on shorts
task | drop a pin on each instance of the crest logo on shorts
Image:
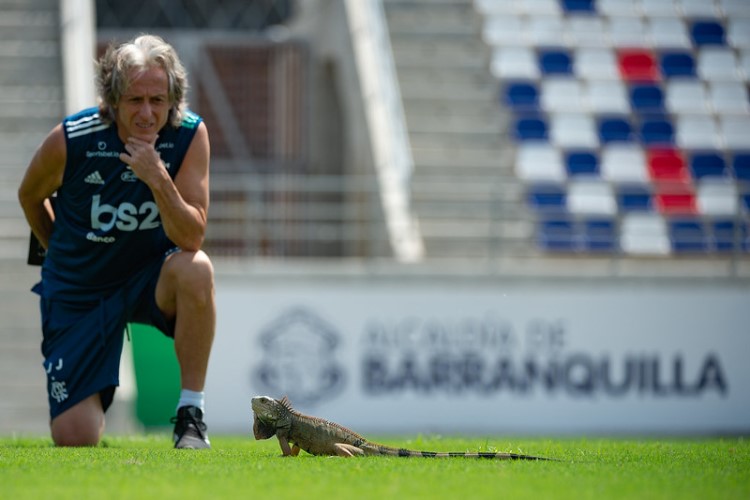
(299, 351)
(57, 389)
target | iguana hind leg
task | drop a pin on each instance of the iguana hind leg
(347, 450)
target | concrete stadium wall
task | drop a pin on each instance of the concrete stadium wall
(389, 352)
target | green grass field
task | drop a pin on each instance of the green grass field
(146, 467)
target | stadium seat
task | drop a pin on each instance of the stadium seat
(581, 163)
(587, 31)
(686, 96)
(591, 197)
(659, 8)
(717, 64)
(633, 198)
(687, 235)
(673, 203)
(531, 128)
(502, 30)
(557, 234)
(624, 164)
(522, 96)
(628, 33)
(741, 166)
(738, 33)
(493, 7)
(729, 235)
(669, 33)
(734, 9)
(514, 63)
(697, 131)
(707, 33)
(667, 165)
(539, 162)
(716, 199)
(573, 130)
(734, 130)
(545, 31)
(656, 131)
(637, 65)
(604, 97)
(698, 9)
(644, 234)
(592, 63)
(646, 98)
(599, 235)
(561, 94)
(555, 62)
(707, 165)
(729, 98)
(615, 129)
(677, 65)
(578, 6)
(618, 8)
(540, 7)
(548, 198)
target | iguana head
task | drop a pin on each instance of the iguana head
(269, 415)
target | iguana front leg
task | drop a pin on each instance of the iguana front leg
(286, 450)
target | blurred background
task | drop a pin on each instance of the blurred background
(483, 215)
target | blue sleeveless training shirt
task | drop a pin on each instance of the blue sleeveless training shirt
(107, 224)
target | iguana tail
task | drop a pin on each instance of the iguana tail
(376, 449)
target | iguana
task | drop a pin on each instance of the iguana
(317, 436)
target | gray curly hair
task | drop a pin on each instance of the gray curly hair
(140, 53)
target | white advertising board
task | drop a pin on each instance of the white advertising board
(538, 358)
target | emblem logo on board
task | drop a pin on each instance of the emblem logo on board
(299, 358)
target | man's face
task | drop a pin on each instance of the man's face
(144, 107)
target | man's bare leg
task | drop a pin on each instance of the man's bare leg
(80, 425)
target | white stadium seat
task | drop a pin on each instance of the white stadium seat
(514, 62)
(595, 63)
(686, 96)
(573, 130)
(591, 197)
(698, 8)
(503, 30)
(628, 32)
(623, 164)
(587, 31)
(660, 8)
(717, 64)
(539, 163)
(729, 98)
(644, 234)
(717, 199)
(696, 132)
(562, 94)
(607, 96)
(669, 33)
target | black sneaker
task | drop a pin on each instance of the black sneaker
(189, 429)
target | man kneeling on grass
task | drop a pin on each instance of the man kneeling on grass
(123, 235)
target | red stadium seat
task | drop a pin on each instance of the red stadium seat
(667, 165)
(637, 65)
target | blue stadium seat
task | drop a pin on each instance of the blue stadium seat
(599, 235)
(708, 164)
(557, 235)
(678, 64)
(581, 163)
(615, 129)
(688, 235)
(707, 33)
(531, 128)
(585, 6)
(656, 130)
(728, 235)
(522, 96)
(634, 199)
(555, 62)
(647, 98)
(547, 198)
(741, 166)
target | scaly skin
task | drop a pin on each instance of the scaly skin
(317, 436)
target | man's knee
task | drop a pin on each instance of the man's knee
(81, 425)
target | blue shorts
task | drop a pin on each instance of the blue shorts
(82, 342)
